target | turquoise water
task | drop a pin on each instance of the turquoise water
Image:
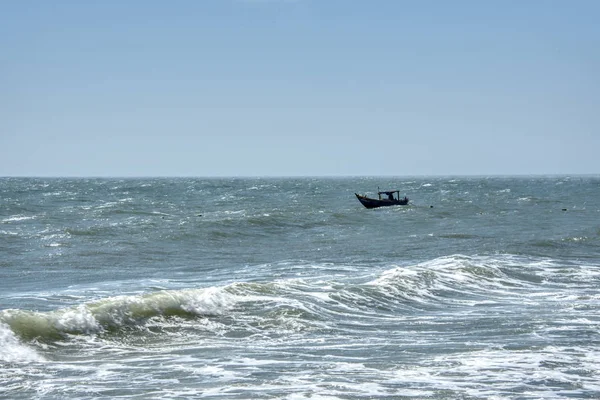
(482, 287)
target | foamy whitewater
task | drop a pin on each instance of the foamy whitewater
(480, 288)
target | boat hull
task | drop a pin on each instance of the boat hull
(375, 203)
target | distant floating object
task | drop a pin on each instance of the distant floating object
(392, 199)
(564, 209)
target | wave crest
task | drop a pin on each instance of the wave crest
(450, 278)
(115, 313)
(12, 351)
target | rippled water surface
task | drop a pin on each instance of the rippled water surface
(480, 288)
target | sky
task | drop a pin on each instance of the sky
(211, 88)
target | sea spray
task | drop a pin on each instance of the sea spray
(13, 351)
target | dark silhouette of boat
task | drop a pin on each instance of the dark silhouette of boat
(390, 198)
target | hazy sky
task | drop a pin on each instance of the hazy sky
(299, 88)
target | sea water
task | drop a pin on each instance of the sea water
(273, 288)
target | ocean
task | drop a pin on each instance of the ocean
(288, 288)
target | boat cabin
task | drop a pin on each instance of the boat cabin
(389, 195)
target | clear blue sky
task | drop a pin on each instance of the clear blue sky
(299, 88)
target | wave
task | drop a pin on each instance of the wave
(115, 313)
(472, 280)
(11, 350)
(581, 245)
(440, 284)
(459, 236)
(17, 218)
(329, 302)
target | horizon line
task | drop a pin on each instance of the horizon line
(296, 176)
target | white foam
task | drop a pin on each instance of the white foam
(16, 218)
(212, 300)
(11, 350)
(79, 319)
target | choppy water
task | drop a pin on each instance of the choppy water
(481, 288)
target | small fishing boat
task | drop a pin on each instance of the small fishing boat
(389, 198)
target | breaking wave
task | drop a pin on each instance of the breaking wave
(395, 295)
(115, 313)
(11, 350)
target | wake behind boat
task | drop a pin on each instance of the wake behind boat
(391, 198)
